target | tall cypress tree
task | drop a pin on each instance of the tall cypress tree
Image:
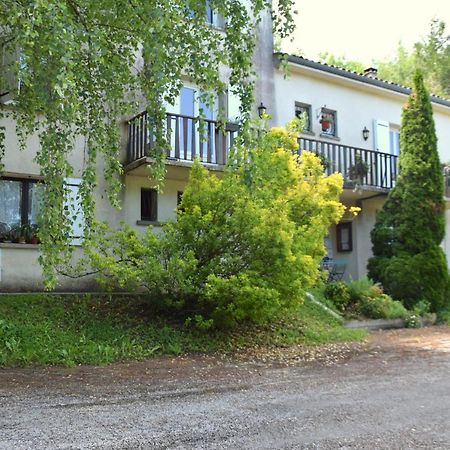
(408, 260)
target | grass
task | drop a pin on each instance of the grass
(69, 330)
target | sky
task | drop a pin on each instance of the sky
(363, 30)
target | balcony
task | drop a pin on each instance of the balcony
(186, 138)
(382, 168)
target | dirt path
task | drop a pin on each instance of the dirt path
(391, 392)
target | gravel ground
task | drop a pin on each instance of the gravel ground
(392, 392)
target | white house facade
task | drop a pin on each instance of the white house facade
(352, 103)
(365, 115)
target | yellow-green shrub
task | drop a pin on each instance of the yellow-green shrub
(244, 247)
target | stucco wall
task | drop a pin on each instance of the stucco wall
(167, 199)
(357, 105)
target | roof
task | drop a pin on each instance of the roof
(301, 61)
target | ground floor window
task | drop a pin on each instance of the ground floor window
(344, 242)
(149, 205)
(19, 201)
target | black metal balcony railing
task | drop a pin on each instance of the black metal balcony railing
(382, 168)
(187, 140)
(186, 137)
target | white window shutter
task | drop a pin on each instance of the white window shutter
(233, 106)
(9, 83)
(73, 202)
(381, 136)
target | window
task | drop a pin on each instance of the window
(149, 205)
(303, 109)
(387, 137)
(210, 15)
(328, 122)
(344, 237)
(394, 141)
(19, 201)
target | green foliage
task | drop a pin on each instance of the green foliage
(341, 62)
(363, 287)
(244, 248)
(365, 298)
(111, 59)
(431, 56)
(37, 329)
(408, 260)
(413, 321)
(422, 307)
(339, 295)
(444, 316)
(381, 307)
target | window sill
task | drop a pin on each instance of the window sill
(146, 223)
(17, 245)
(308, 133)
(329, 136)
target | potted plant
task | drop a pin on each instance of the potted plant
(32, 234)
(5, 232)
(359, 170)
(17, 234)
(326, 121)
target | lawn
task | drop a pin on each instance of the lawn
(69, 330)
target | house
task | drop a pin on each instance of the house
(353, 123)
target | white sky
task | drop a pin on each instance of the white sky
(363, 30)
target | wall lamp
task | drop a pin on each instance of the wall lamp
(365, 133)
(262, 110)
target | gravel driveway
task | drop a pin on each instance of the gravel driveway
(392, 392)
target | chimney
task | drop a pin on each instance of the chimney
(371, 72)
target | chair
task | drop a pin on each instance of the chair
(336, 271)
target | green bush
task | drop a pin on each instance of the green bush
(339, 294)
(366, 298)
(408, 259)
(245, 247)
(363, 287)
(413, 278)
(382, 307)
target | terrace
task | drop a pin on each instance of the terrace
(210, 143)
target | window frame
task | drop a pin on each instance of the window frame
(340, 228)
(153, 213)
(24, 201)
(308, 109)
(334, 124)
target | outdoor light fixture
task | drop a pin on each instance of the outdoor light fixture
(365, 133)
(262, 110)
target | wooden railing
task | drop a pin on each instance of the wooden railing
(186, 138)
(382, 168)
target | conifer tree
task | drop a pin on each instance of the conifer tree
(408, 260)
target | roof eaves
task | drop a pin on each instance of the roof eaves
(299, 60)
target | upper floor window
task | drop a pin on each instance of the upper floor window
(328, 122)
(394, 141)
(387, 137)
(303, 112)
(211, 16)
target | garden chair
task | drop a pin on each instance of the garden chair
(336, 270)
